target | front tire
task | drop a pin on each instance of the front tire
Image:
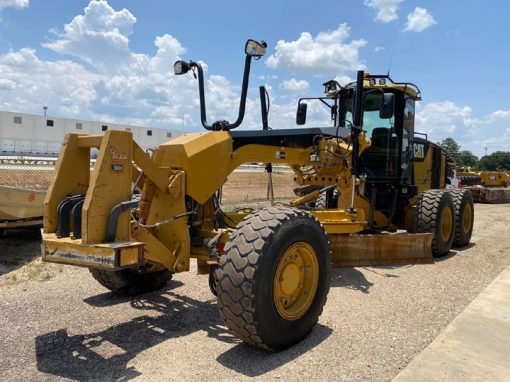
(435, 214)
(274, 277)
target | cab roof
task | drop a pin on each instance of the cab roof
(384, 81)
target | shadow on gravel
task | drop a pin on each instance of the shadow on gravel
(18, 247)
(453, 253)
(111, 299)
(254, 362)
(350, 278)
(105, 355)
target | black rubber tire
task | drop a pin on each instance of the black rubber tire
(429, 211)
(324, 202)
(2, 232)
(246, 276)
(470, 180)
(461, 198)
(130, 282)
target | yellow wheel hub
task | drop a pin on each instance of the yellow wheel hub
(295, 281)
(446, 223)
(467, 221)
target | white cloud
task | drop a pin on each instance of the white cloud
(28, 83)
(295, 85)
(494, 117)
(343, 80)
(100, 37)
(327, 53)
(447, 119)
(442, 118)
(267, 77)
(378, 49)
(16, 4)
(499, 115)
(132, 87)
(386, 9)
(419, 20)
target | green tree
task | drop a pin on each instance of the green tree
(499, 160)
(452, 148)
(450, 145)
(467, 158)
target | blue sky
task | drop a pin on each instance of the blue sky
(111, 60)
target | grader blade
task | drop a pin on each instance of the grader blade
(382, 249)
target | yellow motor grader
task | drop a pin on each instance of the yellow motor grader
(137, 219)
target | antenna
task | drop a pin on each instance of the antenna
(391, 59)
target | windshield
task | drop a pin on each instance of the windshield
(380, 160)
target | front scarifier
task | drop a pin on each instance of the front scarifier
(279, 254)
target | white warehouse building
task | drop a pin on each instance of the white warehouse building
(37, 135)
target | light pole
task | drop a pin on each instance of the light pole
(45, 108)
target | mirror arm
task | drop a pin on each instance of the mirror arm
(244, 93)
(201, 89)
(242, 102)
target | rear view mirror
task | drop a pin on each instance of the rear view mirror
(301, 113)
(181, 67)
(387, 106)
(255, 49)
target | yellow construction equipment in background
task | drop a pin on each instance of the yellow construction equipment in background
(137, 219)
(486, 186)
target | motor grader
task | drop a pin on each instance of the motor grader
(137, 219)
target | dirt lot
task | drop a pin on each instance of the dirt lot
(57, 323)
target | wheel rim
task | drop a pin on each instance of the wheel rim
(467, 220)
(446, 224)
(295, 281)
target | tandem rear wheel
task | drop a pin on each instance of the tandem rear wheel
(435, 214)
(274, 277)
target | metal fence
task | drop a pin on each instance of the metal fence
(32, 173)
(26, 176)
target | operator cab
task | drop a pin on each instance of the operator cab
(387, 119)
(390, 133)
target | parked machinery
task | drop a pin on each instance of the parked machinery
(486, 186)
(270, 268)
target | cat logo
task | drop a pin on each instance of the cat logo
(419, 151)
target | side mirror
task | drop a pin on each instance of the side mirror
(255, 49)
(301, 113)
(181, 67)
(387, 106)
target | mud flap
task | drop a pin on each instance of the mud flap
(381, 249)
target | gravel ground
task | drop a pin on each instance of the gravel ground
(376, 320)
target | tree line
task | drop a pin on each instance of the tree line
(496, 161)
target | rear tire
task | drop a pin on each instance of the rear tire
(130, 282)
(464, 216)
(435, 214)
(274, 278)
